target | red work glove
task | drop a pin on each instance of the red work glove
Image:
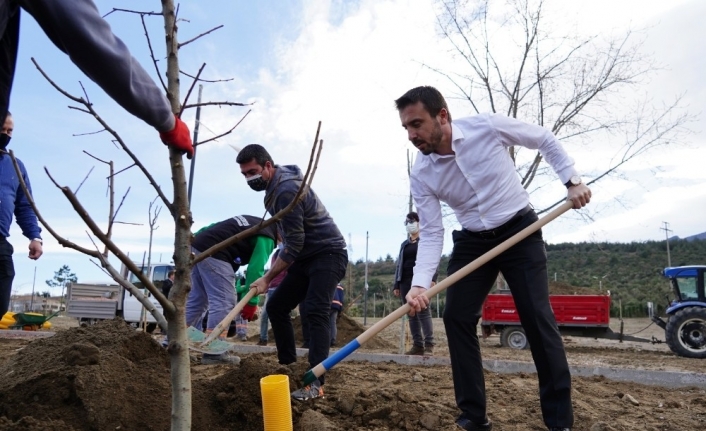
(179, 138)
(249, 312)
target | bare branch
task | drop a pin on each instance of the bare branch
(115, 9)
(84, 180)
(226, 133)
(194, 105)
(94, 157)
(154, 59)
(182, 44)
(115, 134)
(89, 133)
(206, 80)
(191, 88)
(120, 205)
(124, 169)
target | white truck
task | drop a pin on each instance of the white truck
(91, 302)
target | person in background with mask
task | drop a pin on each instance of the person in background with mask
(77, 29)
(420, 325)
(14, 201)
(314, 255)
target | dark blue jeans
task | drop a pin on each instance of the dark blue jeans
(313, 281)
(524, 267)
(7, 274)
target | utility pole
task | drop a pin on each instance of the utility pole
(196, 136)
(666, 233)
(365, 300)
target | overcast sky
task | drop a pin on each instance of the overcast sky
(341, 62)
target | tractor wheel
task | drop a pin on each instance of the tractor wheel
(514, 337)
(686, 332)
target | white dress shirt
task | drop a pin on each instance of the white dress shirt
(479, 181)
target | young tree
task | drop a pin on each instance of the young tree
(62, 278)
(514, 61)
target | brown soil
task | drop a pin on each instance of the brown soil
(110, 377)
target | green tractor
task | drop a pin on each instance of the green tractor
(685, 327)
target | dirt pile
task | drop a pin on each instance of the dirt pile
(348, 329)
(108, 376)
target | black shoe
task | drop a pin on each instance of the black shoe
(467, 425)
(559, 429)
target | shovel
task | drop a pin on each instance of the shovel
(349, 348)
(199, 342)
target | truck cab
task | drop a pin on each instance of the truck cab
(130, 308)
(91, 302)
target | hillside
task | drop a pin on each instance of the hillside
(631, 271)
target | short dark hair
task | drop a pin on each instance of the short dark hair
(254, 151)
(171, 272)
(430, 97)
(413, 216)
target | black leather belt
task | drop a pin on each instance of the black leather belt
(496, 232)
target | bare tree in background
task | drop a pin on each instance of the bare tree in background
(513, 61)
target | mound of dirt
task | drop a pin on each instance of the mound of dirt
(559, 288)
(348, 329)
(79, 376)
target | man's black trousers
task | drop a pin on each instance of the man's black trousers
(524, 267)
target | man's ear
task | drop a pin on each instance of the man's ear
(443, 116)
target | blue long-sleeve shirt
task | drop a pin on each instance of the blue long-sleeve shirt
(14, 201)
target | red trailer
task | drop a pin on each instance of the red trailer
(576, 315)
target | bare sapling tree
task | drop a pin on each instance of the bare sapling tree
(516, 62)
(172, 321)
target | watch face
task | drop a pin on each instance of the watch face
(575, 180)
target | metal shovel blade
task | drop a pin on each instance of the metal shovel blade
(215, 347)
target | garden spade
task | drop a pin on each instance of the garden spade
(201, 342)
(349, 348)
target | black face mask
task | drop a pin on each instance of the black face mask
(257, 183)
(4, 140)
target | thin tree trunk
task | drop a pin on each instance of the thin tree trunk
(178, 343)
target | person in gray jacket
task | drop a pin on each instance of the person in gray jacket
(77, 29)
(313, 253)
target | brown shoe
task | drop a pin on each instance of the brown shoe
(415, 350)
(429, 350)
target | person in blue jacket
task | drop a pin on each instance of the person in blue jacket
(13, 201)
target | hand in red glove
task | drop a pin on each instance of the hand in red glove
(179, 138)
(249, 312)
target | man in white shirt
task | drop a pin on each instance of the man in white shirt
(466, 164)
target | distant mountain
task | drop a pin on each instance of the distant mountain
(701, 235)
(698, 236)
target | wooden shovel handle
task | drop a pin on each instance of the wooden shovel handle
(218, 330)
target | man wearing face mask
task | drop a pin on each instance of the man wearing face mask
(13, 201)
(420, 325)
(314, 255)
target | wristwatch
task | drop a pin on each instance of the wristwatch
(39, 240)
(573, 181)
